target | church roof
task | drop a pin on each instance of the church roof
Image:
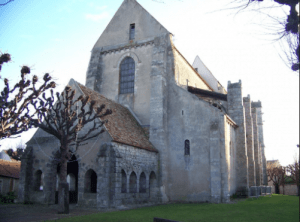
(121, 125)
(10, 168)
(206, 74)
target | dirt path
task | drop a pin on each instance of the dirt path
(40, 213)
(26, 213)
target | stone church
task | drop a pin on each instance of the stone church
(175, 134)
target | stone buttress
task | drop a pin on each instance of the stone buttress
(250, 141)
(237, 113)
(258, 107)
(257, 153)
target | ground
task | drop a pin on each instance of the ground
(36, 212)
(275, 208)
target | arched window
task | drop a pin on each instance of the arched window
(90, 182)
(152, 184)
(71, 181)
(38, 183)
(186, 147)
(127, 69)
(143, 183)
(124, 182)
(132, 183)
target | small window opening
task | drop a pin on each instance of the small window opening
(196, 69)
(182, 112)
(38, 180)
(186, 147)
(132, 31)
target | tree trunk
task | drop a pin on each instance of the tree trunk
(63, 188)
(277, 189)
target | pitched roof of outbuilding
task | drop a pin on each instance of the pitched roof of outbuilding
(121, 125)
(10, 168)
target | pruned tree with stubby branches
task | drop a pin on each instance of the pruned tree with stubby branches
(64, 119)
(19, 150)
(17, 111)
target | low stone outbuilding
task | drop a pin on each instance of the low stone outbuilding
(9, 176)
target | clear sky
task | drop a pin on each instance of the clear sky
(57, 37)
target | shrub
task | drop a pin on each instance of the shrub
(8, 198)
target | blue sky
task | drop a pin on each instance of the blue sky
(57, 37)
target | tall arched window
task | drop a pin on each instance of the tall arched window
(127, 69)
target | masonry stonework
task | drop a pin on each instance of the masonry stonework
(179, 135)
(250, 141)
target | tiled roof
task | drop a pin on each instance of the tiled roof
(121, 125)
(10, 168)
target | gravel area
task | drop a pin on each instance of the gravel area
(40, 213)
(35, 212)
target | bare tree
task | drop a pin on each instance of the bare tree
(276, 173)
(287, 28)
(3, 4)
(293, 170)
(16, 114)
(64, 120)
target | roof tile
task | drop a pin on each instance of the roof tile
(10, 168)
(121, 125)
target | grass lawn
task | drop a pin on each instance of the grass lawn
(273, 208)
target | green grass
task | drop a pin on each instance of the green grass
(268, 208)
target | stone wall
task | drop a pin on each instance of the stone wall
(203, 125)
(185, 74)
(6, 183)
(104, 71)
(289, 189)
(129, 176)
(130, 12)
